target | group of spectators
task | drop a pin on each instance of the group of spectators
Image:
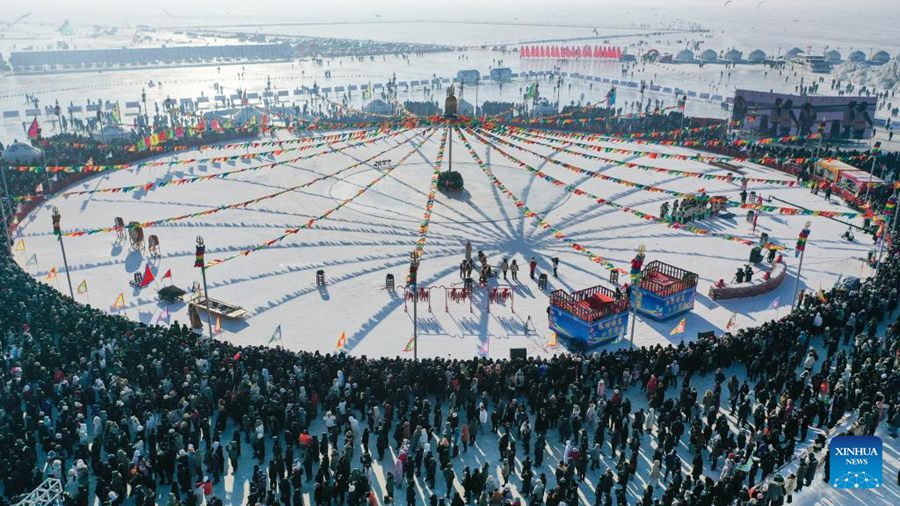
(121, 411)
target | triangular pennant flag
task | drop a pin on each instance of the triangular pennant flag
(39, 188)
(410, 345)
(32, 260)
(82, 287)
(276, 336)
(168, 274)
(218, 328)
(20, 245)
(120, 301)
(148, 277)
(554, 340)
(775, 303)
(732, 322)
(342, 341)
(679, 329)
(34, 131)
(51, 274)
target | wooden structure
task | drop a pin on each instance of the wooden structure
(153, 246)
(588, 317)
(136, 236)
(218, 307)
(756, 287)
(120, 230)
(665, 291)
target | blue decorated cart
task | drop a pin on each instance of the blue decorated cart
(665, 291)
(588, 317)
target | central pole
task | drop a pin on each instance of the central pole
(450, 150)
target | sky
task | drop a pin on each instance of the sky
(592, 11)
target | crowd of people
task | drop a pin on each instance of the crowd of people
(125, 413)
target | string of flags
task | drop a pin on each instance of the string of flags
(341, 342)
(120, 301)
(410, 345)
(237, 205)
(688, 227)
(223, 175)
(786, 210)
(312, 221)
(93, 167)
(528, 213)
(82, 287)
(530, 140)
(432, 194)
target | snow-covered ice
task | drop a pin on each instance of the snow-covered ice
(373, 236)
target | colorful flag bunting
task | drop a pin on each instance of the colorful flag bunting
(342, 341)
(82, 287)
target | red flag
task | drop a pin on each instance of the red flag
(148, 277)
(168, 274)
(237, 356)
(34, 131)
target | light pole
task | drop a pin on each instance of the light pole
(477, 80)
(876, 148)
(5, 223)
(887, 229)
(12, 211)
(635, 298)
(413, 272)
(201, 263)
(558, 90)
(801, 247)
(58, 232)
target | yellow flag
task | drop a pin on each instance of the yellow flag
(51, 274)
(342, 341)
(82, 288)
(554, 340)
(154, 139)
(120, 301)
(218, 328)
(679, 329)
(20, 245)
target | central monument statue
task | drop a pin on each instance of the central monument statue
(450, 103)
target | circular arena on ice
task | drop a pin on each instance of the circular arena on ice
(445, 236)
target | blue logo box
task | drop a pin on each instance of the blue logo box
(856, 462)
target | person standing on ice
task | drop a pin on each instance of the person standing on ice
(514, 269)
(555, 262)
(469, 251)
(504, 266)
(532, 266)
